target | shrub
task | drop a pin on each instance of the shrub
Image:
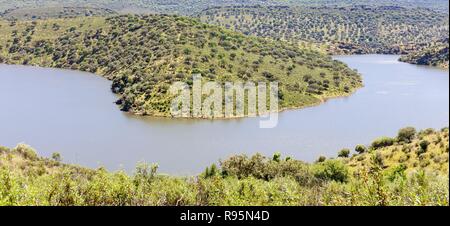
(241, 166)
(428, 131)
(424, 144)
(4, 149)
(260, 167)
(360, 149)
(172, 192)
(331, 170)
(321, 159)
(383, 142)
(378, 159)
(26, 151)
(211, 171)
(423, 147)
(406, 134)
(277, 157)
(187, 51)
(344, 153)
(57, 157)
(145, 173)
(397, 172)
(424, 133)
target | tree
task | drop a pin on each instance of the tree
(277, 157)
(382, 142)
(344, 153)
(423, 147)
(56, 156)
(321, 159)
(360, 149)
(406, 134)
(211, 171)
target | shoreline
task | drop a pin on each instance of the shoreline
(322, 99)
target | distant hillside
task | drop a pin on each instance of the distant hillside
(436, 55)
(345, 30)
(144, 55)
(179, 7)
(53, 12)
(190, 7)
(441, 5)
(410, 170)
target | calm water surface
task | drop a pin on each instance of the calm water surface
(73, 113)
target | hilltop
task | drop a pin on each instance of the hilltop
(53, 12)
(355, 29)
(191, 7)
(411, 169)
(143, 55)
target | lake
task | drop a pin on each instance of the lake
(73, 113)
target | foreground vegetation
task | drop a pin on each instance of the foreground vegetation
(411, 169)
(144, 55)
(355, 29)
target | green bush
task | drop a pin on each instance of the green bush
(360, 149)
(321, 159)
(333, 170)
(26, 151)
(57, 157)
(261, 167)
(383, 142)
(406, 134)
(211, 171)
(277, 157)
(398, 172)
(423, 147)
(344, 153)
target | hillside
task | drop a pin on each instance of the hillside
(411, 150)
(436, 55)
(144, 55)
(356, 29)
(190, 7)
(53, 12)
(411, 169)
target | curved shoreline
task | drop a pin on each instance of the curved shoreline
(322, 99)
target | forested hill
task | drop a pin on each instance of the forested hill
(143, 55)
(436, 55)
(53, 12)
(190, 7)
(353, 29)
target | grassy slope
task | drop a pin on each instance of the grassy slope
(434, 158)
(353, 29)
(143, 55)
(377, 177)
